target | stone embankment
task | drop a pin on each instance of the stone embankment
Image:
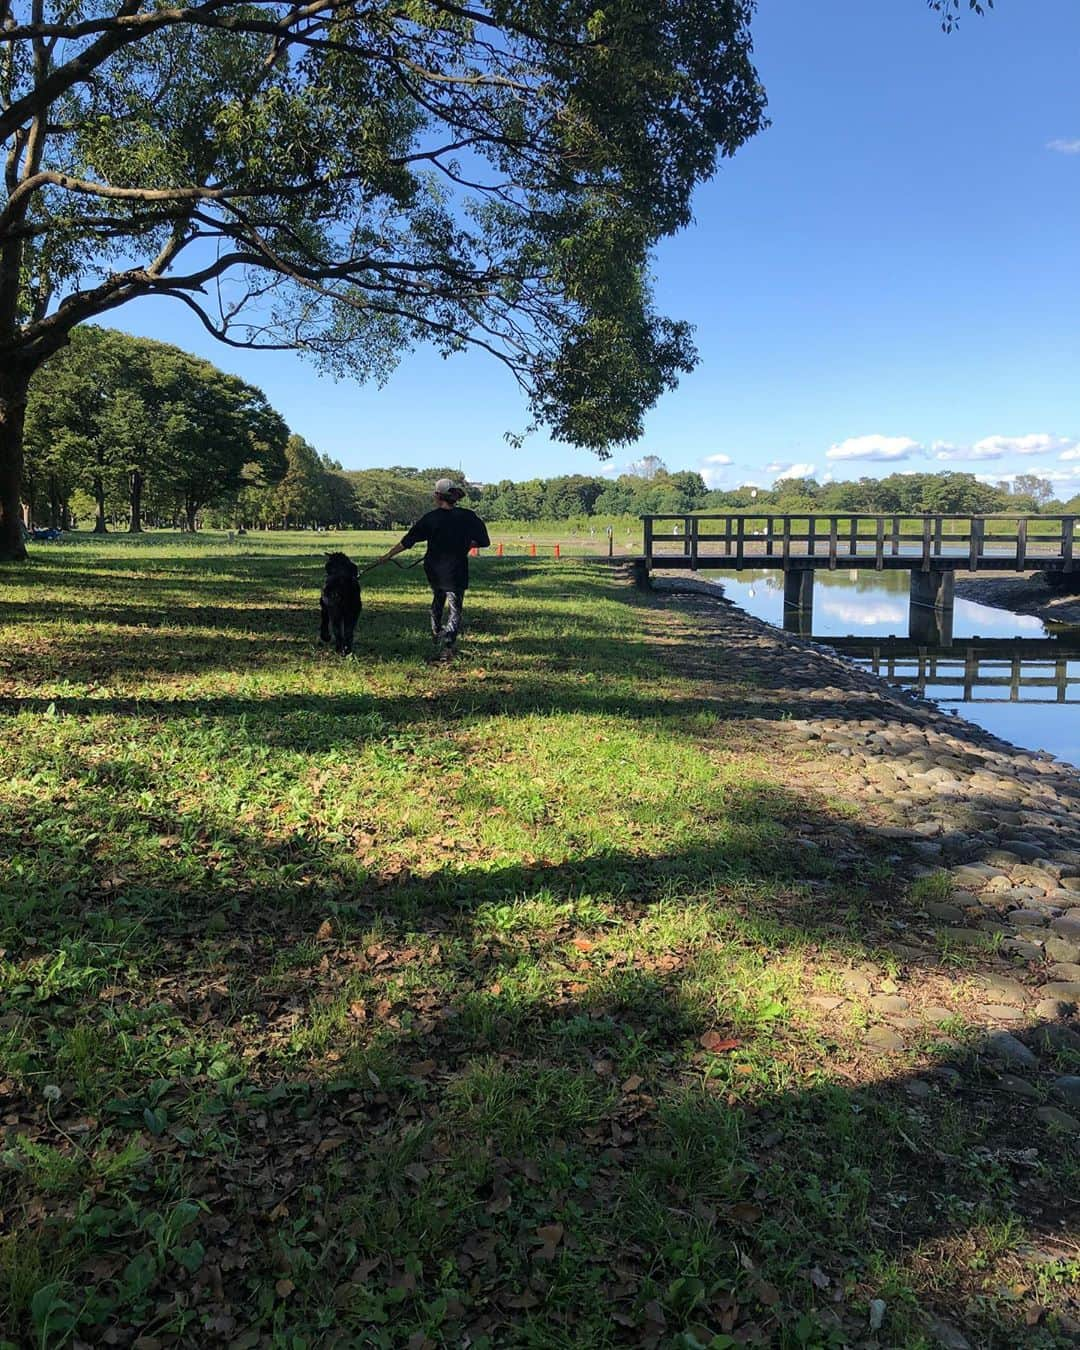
(988, 842)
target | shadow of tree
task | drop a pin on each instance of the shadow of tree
(322, 1085)
(426, 1102)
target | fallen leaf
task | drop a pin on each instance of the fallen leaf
(655, 1313)
(744, 1213)
(551, 1234)
(583, 944)
(284, 1288)
(717, 1044)
(633, 1083)
(818, 1278)
(325, 931)
(526, 1300)
(767, 1293)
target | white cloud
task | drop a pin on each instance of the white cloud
(964, 453)
(714, 470)
(1064, 147)
(796, 470)
(1036, 444)
(1002, 447)
(875, 447)
(1040, 471)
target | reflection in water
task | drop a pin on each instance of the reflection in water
(1019, 682)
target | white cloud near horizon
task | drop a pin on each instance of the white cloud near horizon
(796, 470)
(1039, 470)
(1064, 146)
(713, 470)
(1001, 447)
(875, 447)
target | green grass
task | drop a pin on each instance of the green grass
(361, 1003)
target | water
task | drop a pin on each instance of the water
(1006, 672)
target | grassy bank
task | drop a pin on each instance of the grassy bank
(366, 1003)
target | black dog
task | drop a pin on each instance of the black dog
(339, 604)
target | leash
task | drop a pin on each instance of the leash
(403, 567)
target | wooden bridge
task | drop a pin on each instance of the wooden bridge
(932, 548)
(975, 670)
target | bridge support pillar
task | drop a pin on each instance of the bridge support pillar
(930, 613)
(933, 589)
(798, 599)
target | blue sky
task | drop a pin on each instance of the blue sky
(887, 279)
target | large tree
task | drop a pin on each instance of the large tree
(88, 424)
(350, 179)
(112, 412)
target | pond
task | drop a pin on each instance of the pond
(1009, 673)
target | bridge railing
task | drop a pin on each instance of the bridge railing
(861, 540)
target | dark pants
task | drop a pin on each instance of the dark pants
(446, 616)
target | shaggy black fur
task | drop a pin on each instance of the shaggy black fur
(339, 604)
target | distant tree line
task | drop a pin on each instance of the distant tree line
(125, 431)
(946, 493)
(648, 488)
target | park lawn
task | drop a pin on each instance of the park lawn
(365, 1003)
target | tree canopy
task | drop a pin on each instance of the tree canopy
(114, 415)
(350, 180)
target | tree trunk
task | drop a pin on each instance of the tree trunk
(135, 487)
(100, 526)
(56, 510)
(192, 511)
(13, 388)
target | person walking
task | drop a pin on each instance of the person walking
(450, 531)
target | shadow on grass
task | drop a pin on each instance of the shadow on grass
(308, 1097)
(432, 1104)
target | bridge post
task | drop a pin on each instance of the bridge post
(930, 612)
(798, 595)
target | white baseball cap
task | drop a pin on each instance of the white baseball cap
(446, 487)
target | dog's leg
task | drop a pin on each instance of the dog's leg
(324, 622)
(348, 630)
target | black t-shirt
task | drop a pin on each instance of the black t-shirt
(450, 535)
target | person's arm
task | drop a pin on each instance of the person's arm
(392, 553)
(480, 537)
